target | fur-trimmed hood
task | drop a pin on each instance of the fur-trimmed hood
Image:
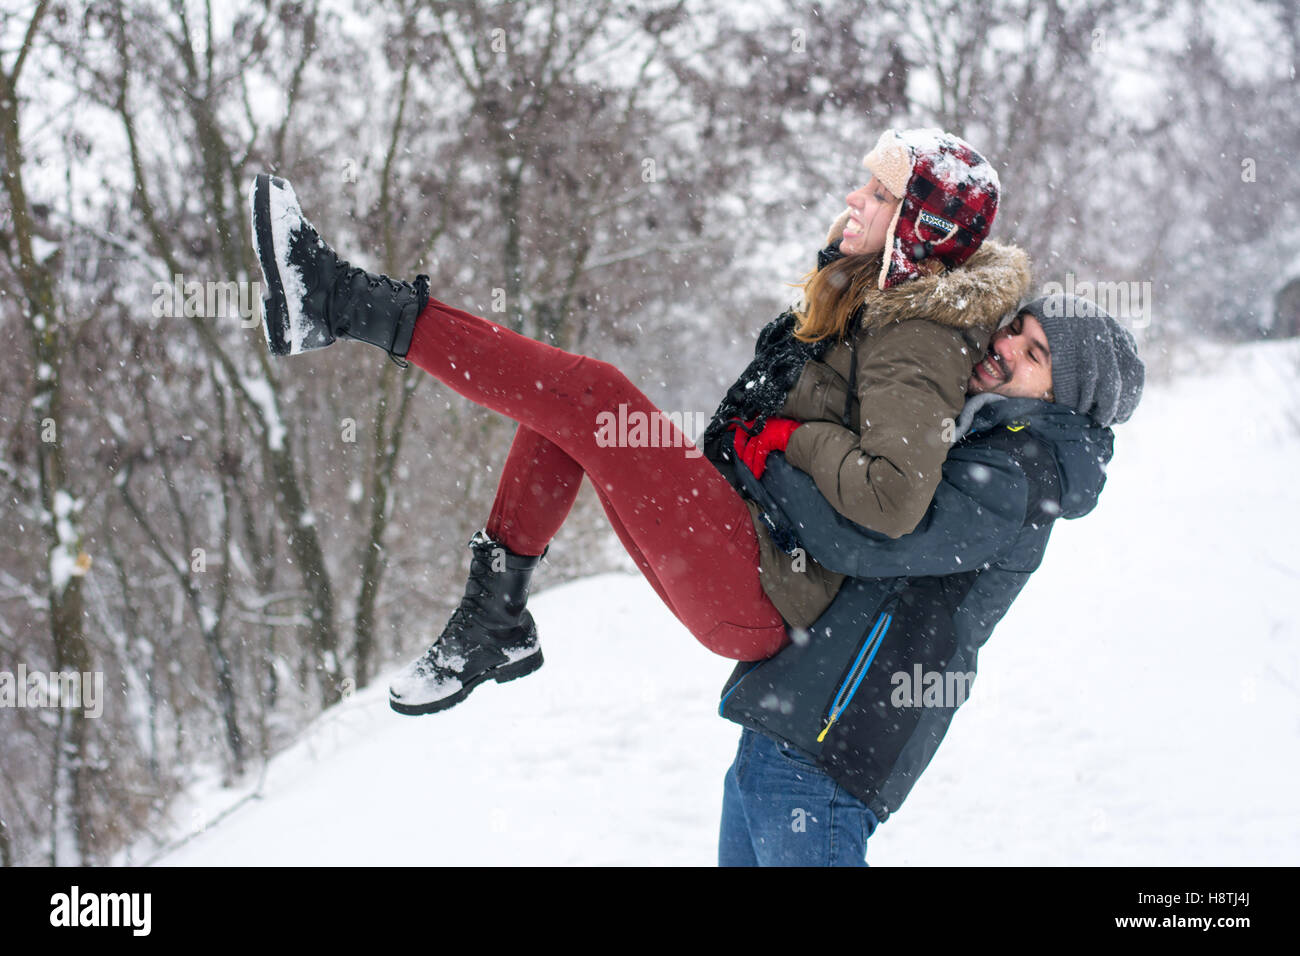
(977, 294)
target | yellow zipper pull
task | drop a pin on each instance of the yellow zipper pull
(822, 735)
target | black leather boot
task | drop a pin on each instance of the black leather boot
(490, 636)
(312, 296)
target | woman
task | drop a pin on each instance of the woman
(893, 377)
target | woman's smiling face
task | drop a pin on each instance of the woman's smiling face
(871, 211)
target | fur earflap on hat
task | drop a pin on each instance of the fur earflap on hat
(949, 197)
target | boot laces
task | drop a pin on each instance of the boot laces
(454, 637)
(346, 272)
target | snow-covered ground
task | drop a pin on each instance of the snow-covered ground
(1168, 613)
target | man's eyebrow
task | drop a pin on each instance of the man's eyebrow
(1039, 344)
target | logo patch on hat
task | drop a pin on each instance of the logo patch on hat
(935, 222)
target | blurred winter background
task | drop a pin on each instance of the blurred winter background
(245, 548)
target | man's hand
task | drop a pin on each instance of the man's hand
(753, 451)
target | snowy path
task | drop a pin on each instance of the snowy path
(1140, 704)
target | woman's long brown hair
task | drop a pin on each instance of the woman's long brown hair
(832, 295)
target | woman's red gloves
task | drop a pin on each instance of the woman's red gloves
(753, 451)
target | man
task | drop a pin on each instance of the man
(841, 723)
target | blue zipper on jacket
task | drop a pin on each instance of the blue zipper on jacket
(858, 671)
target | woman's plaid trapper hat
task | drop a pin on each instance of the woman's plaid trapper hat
(950, 196)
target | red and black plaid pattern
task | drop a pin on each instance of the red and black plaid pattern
(952, 197)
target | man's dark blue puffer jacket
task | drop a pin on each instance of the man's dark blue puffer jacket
(869, 690)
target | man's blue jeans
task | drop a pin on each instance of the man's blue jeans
(781, 809)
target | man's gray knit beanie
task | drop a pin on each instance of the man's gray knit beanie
(1095, 365)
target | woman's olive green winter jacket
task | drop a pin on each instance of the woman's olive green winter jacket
(914, 347)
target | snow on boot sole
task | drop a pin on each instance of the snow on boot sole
(276, 217)
(506, 672)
